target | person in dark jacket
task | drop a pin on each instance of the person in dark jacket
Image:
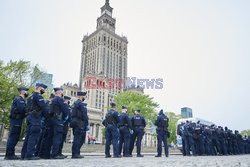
(124, 128)
(162, 133)
(17, 115)
(111, 122)
(138, 126)
(79, 123)
(36, 107)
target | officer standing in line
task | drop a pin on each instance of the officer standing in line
(17, 115)
(124, 127)
(59, 109)
(198, 139)
(79, 123)
(111, 131)
(46, 143)
(189, 139)
(162, 133)
(207, 140)
(138, 125)
(66, 124)
(180, 131)
(36, 108)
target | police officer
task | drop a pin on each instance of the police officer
(198, 139)
(37, 108)
(66, 124)
(138, 125)
(207, 140)
(162, 133)
(124, 128)
(47, 138)
(180, 131)
(59, 109)
(17, 115)
(79, 123)
(189, 141)
(111, 122)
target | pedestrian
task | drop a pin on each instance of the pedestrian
(162, 133)
(17, 115)
(79, 123)
(138, 125)
(111, 122)
(124, 129)
(36, 107)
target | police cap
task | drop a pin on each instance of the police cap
(22, 89)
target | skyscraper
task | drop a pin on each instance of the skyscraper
(186, 112)
(104, 56)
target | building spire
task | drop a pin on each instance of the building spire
(107, 1)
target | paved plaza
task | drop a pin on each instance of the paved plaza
(147, 161)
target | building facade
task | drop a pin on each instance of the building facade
(104, 59)
(186, 112)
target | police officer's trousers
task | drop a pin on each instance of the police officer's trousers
(112, 136)
(15, 131)
(124, 140)
(137, 135)
(79, 138)
(33, 130)
(162, 138)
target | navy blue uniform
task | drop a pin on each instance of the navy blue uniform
(79, 124)
(138, 125)
(65, 128)
(18, 112)
(180, 131)
(162, 132)
(47, 135)
(207, 141)
(111, 132)
(198, 140)
(59, 110)
(124, 127)
(37, 109)
(189, 141)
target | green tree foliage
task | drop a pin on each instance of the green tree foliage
(173, 118)
(135, 101)
(245, 132)
(12, 75)
(15, 74)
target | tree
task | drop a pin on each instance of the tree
(173, 118)
(245, 132)
(135, 101)
(12, 75)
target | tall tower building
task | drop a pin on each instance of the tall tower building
(104, 56)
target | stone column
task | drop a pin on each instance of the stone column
(94, 130)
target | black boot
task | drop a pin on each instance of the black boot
(139, 155)
(77, 157)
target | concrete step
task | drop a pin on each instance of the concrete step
(86, 148)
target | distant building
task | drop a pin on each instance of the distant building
(104, 57)
(186, 112)
(43, 78)
(136, 89)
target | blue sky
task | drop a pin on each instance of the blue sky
(200, 48)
